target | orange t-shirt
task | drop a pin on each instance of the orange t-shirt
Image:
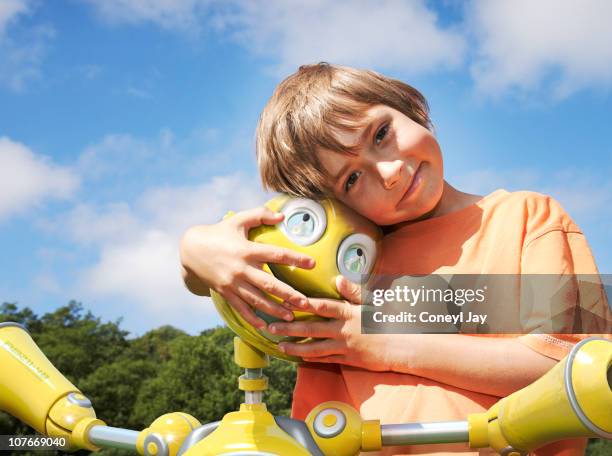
(504, 233)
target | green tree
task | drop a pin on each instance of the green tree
(199, 378)
(599, 447)
(78, 343)
(114, 387)
(9, 311)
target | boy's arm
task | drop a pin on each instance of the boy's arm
(492, 365)
(194, 284)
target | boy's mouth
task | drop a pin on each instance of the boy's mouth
(412, 185)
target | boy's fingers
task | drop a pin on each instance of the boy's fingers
(267, 253)
(329, 308)
(311, 349)
(349, 290)
(255, 298)
(258, 216)
(317, 329)
(245, 310)
(270, 284)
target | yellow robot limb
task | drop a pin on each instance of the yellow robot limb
(338, 430)
(574, 399)
(166, 434)
(35, 392)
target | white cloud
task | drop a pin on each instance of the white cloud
(20, 58)
(10, 10)
(122, 153)
(127, 224)
(89, 225)
(524, 45)
(176, 208)
(138, 245)
(386, 34)
(145, 272)
(28, 179)
(169, 14)
(135, 235)
(560, 45)
(134, 163)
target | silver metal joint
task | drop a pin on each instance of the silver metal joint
(337, 420)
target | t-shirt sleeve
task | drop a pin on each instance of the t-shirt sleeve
(567, 291)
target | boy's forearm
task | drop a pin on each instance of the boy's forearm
(495, 366)
(194, 284)
(189, 250)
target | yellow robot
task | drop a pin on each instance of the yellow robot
(341, 241)
(573, 400)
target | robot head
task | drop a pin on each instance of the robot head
(341, 242)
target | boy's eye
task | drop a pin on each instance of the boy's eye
(351, 180)
(381, 133)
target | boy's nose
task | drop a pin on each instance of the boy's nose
(390, 172)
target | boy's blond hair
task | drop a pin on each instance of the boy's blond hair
(305, 113)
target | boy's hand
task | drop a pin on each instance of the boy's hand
(221, 257)
(343, 341)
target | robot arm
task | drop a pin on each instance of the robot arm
(35, 392)
(574, 399)
(59, 408)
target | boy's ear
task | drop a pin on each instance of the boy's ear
(349, 290)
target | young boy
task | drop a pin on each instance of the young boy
(366, 140)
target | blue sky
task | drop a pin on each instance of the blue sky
(122, 122)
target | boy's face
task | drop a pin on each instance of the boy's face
(396, 174)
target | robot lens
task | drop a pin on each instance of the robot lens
(305, 221)
(301, 224)
(356, 256)
(354, 259)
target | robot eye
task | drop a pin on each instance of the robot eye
(356, 256)
(301, 224)
(304, 222)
